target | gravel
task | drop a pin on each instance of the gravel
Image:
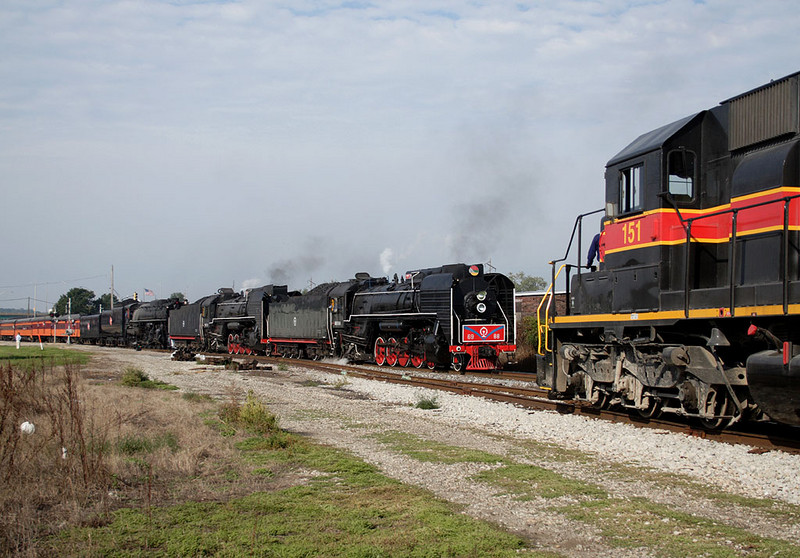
(348, 412)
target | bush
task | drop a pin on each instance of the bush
(529, 331)
(133, 377)
(253, 415)
(427, 403)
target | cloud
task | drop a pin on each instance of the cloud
(202, 141)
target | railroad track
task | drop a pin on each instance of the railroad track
(761, 437)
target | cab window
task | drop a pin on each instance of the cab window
(630, 189)
(680, 174)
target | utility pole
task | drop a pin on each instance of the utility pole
(112, 290)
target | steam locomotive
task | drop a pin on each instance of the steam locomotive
(454, 315)
(695, 307)
(129, 323)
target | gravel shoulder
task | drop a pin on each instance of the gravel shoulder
(758, 493)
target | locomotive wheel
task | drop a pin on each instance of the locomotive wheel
(403, 358)
(230, 343)
(721, 403)
(417, 361)
(602, 400)
(238, 345)
(653, 408)
(431, 365)
(380, 351)
(458, 362)
(391, 352)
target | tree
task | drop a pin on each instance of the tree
(80, 298)
(104, 302)
(177, 296)
(525, 283)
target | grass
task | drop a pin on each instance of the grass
(529, 481)
(257, 497)
(430, 451)
(33, 357)
(427, 403)
(153, 472)
(634, 523)
(133, 377)
(623, 522)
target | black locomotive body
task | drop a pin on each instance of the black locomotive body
(451, 315)
(226, 321)
(109, 327)
(695, 307)
(309, 325)
(147, 326)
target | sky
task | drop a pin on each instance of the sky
(193, 145)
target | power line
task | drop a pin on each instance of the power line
(51, 282)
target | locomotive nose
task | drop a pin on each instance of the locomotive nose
(480, 303)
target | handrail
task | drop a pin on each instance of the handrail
(576, 227)
(732, 260)
(542, 325)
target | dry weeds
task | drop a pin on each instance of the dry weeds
(98, 446)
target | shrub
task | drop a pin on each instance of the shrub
(427, 403)
(253, 415)
(133, 377)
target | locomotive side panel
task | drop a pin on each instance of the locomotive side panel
(300, 318)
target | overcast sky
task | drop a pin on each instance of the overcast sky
(196, 145)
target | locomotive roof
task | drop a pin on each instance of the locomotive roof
(651, 140)
(760, 87)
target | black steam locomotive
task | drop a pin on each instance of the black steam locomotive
(129, 323)
(452, 315)
(695, 307)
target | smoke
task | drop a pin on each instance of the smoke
(300, 268)
(495, 196)
(386, 258)
(251, 283)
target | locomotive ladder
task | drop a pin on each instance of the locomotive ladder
(543, 325)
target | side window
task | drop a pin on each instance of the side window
(680, 174)
(630, 189)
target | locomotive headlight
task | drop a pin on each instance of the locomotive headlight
(481, 296)
(480, 307)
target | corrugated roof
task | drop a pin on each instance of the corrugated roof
(651, 140)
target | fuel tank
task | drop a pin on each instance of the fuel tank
(775, 386)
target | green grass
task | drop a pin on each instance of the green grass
(427, 403)
(31, 356)
(427, 450)
(132, 445)
(197, 397)
(529, 481)
(133, 377)
(634, 523)
(346, 509)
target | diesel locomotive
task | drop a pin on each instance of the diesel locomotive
(694, 308)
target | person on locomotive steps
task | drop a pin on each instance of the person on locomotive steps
(596, 250)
